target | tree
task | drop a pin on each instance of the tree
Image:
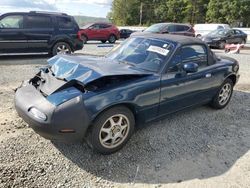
(127, 12)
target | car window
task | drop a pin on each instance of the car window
(194, 54)
(189, 54)
(180, 28)
(171, 28)
(39, 22)
(95, 26)
(220, 27)
(104, 26)
(237, 32)
(65, 23)
(12, 22)
(156, 28)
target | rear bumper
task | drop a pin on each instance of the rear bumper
(78, 45)
(70, 115)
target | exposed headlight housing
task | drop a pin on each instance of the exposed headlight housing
(37, 114)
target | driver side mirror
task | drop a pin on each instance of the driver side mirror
(190, 67)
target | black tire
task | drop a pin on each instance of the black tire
(84, 39)
(222, 45)
(97, 135)
(112, 39)
(103, 41)
(243, 41)
(216, 102)
(66, 49)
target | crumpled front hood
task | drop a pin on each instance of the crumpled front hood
(88, 68)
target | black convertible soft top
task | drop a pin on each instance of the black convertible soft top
(175, 38)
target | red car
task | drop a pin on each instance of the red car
(100, 31)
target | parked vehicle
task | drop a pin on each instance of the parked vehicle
(204, 29)
(171, 28)
(100, 31)
(103, 99)
(125, 33)
(38, 32)
(219, 38)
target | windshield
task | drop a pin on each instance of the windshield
(86, 26)
(156, 28)
(147, 54)
(221, 32)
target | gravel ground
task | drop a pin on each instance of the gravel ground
(194, 148)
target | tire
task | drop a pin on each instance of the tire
(61, 48)
(84, 39)
(198, 36)
(218, 102)
(112, 39)
(106, 137)
(103, 41)
(222, 44)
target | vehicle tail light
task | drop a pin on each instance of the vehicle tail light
(79, 35)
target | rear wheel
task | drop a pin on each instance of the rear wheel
(61, 48)
(112, 39)
(103, 41)
(224, 95)
(111, 130)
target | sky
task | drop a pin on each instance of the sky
(94, 8)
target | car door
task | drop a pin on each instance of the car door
(180, 89)
(105, 31)
(12, 38)
(231, 38)
(239, 38)
(94, 32)
(38, 31)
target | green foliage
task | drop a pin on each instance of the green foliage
(127, 12)
(82, 20)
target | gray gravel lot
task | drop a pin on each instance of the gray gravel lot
(198, 147)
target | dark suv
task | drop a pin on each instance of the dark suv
(172, 28)
(38, 32)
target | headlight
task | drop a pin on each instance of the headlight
(38, 114)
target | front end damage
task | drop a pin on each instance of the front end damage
(54, 108)
(52, 102)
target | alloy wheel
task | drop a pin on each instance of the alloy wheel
(225, 94)
(114, 131)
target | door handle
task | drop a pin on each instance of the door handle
(208, 75)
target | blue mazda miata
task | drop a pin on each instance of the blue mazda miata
(103, 99)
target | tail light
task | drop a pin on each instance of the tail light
(79, 35)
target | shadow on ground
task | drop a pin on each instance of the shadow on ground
(196, 144)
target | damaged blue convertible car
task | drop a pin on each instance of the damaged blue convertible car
(103, 99)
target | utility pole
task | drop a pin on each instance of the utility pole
(141, 13)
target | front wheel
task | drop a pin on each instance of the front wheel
(61, 48)
(222, 45)
(111, 130)
(112, 39)
(224, 95)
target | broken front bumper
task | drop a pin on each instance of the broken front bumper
(66, 122)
